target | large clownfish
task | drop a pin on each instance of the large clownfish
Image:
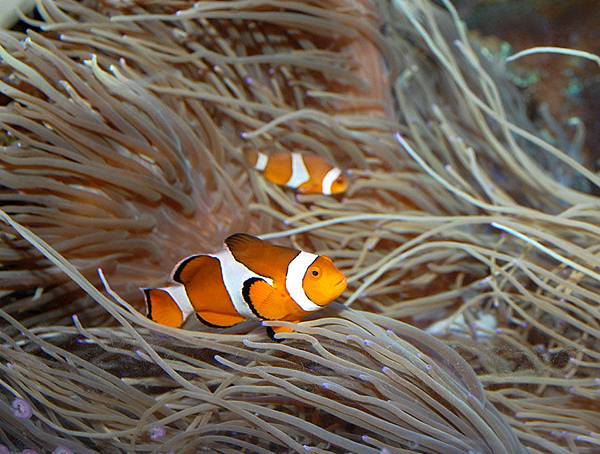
(307, 174)
(248, 279)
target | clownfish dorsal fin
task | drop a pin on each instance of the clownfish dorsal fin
(186, 268)
(239, 241)
(261, 257)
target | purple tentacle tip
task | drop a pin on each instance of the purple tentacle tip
(248, 80)
(21, 409)
(157, 433)
(62, 450)
(244, 135)
(4, 449)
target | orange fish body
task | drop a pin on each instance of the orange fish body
(307, 174)
(248, 279)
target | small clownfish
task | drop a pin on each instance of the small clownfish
(249, 279)
(307, 174)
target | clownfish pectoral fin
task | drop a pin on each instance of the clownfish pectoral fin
(216, 320)
(162, 307)
(263, 299)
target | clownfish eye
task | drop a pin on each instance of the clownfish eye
(315, 271)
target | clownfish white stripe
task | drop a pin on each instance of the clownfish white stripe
(261, 161)
(330, 177)
(234, 275)
(300, 173)
(294, 280)
(180, 296)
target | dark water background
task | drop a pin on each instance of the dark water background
(569, 86)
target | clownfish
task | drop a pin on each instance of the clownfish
(307, 174)
(249, 279)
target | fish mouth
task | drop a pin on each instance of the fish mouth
(341, 283)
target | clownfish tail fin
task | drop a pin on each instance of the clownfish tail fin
(256, 159)
(163, 307)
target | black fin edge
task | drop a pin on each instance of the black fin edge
(246, 295)
(211, 325)
(146, 292)
(177, 272)
(240, 237)
(271, 333)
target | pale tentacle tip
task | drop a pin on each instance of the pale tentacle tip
(218, 358)
(62, 450)
(157, 433)
(21, 408)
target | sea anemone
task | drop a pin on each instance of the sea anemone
(125, 129)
